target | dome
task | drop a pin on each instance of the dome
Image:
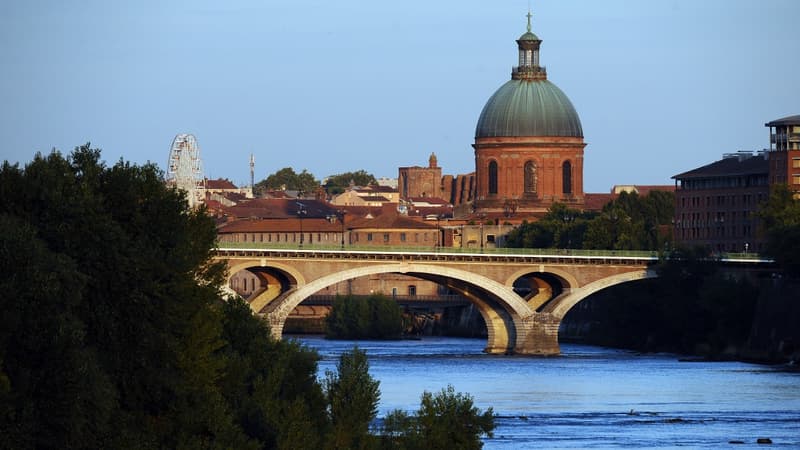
(528, 108)
(528, 36)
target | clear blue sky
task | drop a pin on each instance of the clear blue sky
(661, 87)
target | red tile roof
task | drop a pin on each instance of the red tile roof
(288, 225)
(220, 183)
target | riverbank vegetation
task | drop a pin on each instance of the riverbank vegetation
(356, 317)
(691, 308)
(114, 333)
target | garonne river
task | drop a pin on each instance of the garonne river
(589, 397)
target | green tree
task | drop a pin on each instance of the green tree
(271, 385)
(780, 217)
(444, 420)
(561, 227)
(54, 392)
(144, 306)
(632, 222)
(357, 317)
(287, 179)
(353, 397)
(336, 184)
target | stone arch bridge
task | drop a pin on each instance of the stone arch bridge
(522, 321)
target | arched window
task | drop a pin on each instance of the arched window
(566, 177)
(530, 177)
(493, 177)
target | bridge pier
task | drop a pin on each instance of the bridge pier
(537, 335)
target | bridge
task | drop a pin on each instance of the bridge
(517, 322)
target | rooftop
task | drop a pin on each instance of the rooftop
(727, 167)
(789, 120)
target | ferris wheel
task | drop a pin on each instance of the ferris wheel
(185, 168)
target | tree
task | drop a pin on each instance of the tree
(132, 317)
(561, 227)
(287, 179)
(336, 184)
(780, 216)
(271, 385)
(632, 222)
(353, 397)
(444, 420)
(372, 317)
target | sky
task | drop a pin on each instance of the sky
(661, 87)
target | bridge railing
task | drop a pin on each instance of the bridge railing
(749, 257)
(458, 250)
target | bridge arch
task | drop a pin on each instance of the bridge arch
(500, 318)
(293, 274)
(568, 280)
(560, 306)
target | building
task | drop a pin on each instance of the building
(784, 152)
(716, 205)
(418, 181)
(375, 195)
(528, 141)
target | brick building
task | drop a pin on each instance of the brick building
(416, 181)
(784, 151)
(716, 205)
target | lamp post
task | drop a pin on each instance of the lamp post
(438, 231)
(482, 218)
(342, 213)
(301, 211)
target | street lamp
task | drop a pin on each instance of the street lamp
(341, 214)
(301, 211)
(438, 231)
(482, 218)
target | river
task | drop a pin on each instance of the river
(589, 397)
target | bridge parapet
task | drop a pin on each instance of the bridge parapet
(572, 257)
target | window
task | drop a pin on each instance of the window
(795, 163)
(412, 290)
(795, 179)
(385, 237)
(369, 237)
(566, 177)
(402, 237)
(493, 177)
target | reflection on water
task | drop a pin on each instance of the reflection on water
(589, 397)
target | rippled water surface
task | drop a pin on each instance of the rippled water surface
(590, 397)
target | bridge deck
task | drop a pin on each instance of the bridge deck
(446, 254)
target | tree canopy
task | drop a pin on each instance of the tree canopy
(629, 222)
(780, 217)
(114, 333)
(287, 179)
(336, 184)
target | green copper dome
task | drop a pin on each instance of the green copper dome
(528, 108)
(528, 36)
